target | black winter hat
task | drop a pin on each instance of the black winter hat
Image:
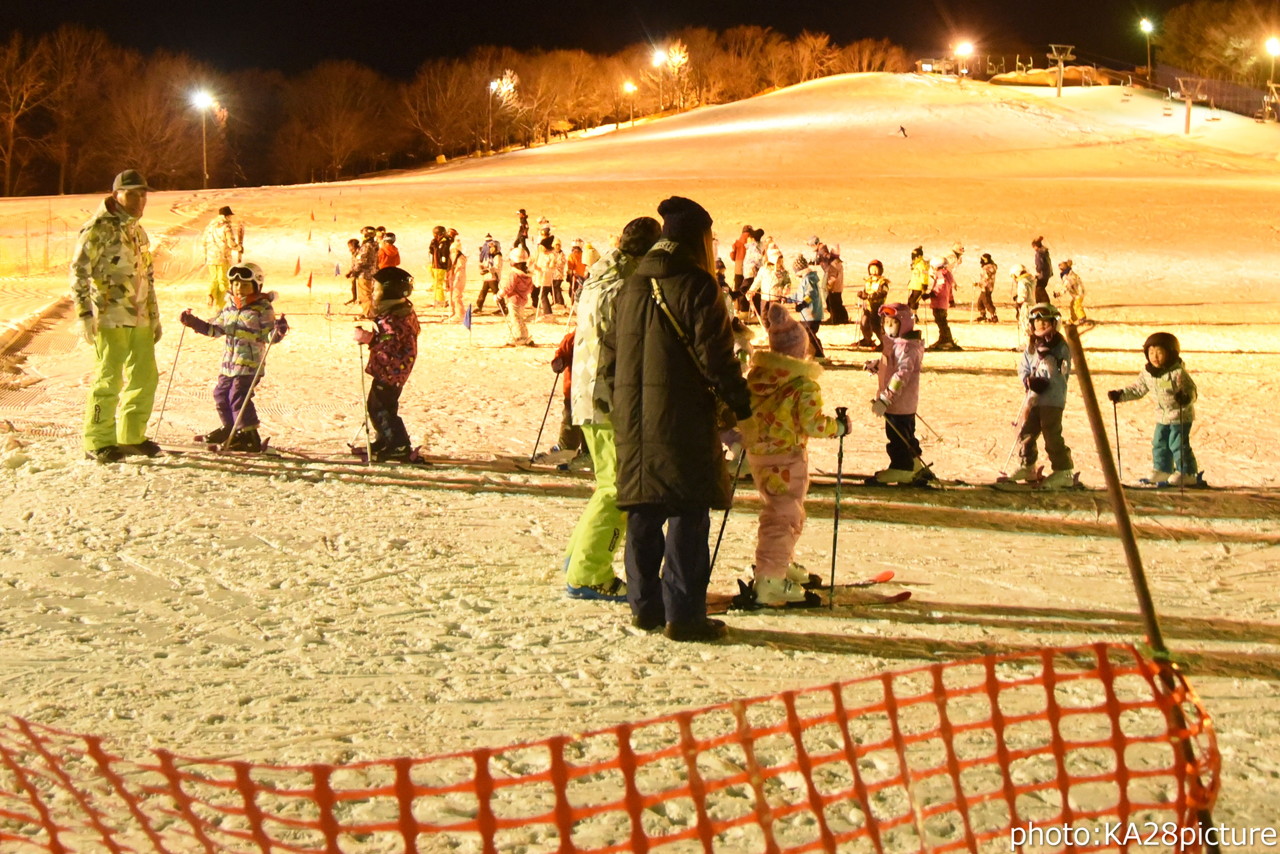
(225, 210)
(1161, 339)
(639, 235)
(683, 220)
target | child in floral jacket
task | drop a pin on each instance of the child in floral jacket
(393, 349)
(786, 403)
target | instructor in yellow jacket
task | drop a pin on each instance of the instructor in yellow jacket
(113, 286)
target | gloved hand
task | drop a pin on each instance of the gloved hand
(879, 407)
(193, 323)
(156, 331)
(557, 365)
(89, 329)
(1038, 384)
(280, 329)
(1181, 397)
(872, 366)
(731, 439)
(843, 427)
(363, 336)
(1115, 395)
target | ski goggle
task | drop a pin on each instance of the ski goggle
(888, 311)
(241, 274)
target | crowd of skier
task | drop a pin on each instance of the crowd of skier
(660, 373)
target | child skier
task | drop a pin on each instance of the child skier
(1023, 291)
(515, 296)
(393, 348)
(986, 285)
(875, 289)
(1075, 292)
(919, 278)
(456, 281)
(1173, 462)
(811, 300)
(941, 286)
(898, 372)
(490, 272)
(562, 363)
(248, 322)
(786, 403)
(1044, 367)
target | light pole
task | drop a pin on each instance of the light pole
(1147, 27)
(493, 89)
(659, 62)
(203, 102)
(630, 89)
(1273, 48)
(964, 50)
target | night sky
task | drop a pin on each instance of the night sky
(394, 37)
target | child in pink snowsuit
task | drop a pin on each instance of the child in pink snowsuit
(786, 403)
(516, 294)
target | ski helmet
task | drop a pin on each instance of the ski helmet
(1045, 311)
(248, 272)
(986, 258)
(901, 311)
(368, 231)
(879, 268)
(1162, 339)
(938, 263)
(396, 283)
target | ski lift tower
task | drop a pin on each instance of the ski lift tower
(1060, 54)
(1191, 89)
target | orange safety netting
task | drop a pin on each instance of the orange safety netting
(953, 756)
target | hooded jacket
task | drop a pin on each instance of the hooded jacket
(589, 399)
(786, 404)
(1163, 384)
(664, 415)
(898, 377)
(112, 275)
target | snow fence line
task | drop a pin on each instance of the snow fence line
(15, 329)
(963, 755)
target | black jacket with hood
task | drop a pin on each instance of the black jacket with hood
(669, 449)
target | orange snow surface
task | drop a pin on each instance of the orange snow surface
(291, 612)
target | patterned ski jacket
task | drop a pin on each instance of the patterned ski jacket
(898, 375)
(365, 264)
(1072, 284)
(1052, 360)
(247, 331)
(112, 275)
(786, 404)
(221, 238)
(588, 400)
(394, 347)
(1163, 385)
(988, 280)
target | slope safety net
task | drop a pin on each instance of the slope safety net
(948, 757)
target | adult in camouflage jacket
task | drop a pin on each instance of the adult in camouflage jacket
(113, 286)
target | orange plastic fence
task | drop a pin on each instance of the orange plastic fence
(947, 757)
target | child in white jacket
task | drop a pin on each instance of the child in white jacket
(1173, 462)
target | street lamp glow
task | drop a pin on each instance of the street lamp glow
(1147, 28)
(964, 49)
(659, 57)
(204, 102)
(629, 88)
(1273, 48)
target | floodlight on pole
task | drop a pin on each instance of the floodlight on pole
(1273, 48)
(630, 89)
(203, 102)
(659, 62)
(963, 51)
(1147, 28)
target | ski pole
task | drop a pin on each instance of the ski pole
(935, 433)
(165, 403)
(1017, 431)
(543, 426)
(733, 489)
(364, 405)
(1115, 416)
(356, 435)
(253, 384)
(842, 414)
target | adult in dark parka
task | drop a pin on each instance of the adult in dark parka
(1044, 270)
(671, 468)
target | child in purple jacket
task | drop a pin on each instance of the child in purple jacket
(393, 348)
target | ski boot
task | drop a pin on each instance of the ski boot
(246, 441)
(1025, 473)
(892, 475)
(1188, 481)
(1059, 479)
(1156, 478)
(215, 437)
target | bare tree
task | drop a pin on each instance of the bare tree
(333, 114)
(75, 98)
(814, 55)
(870, 55)
(441, 102)
(24, 86)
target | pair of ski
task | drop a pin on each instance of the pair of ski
(745, 600)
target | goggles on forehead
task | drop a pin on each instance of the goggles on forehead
(888, 311)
